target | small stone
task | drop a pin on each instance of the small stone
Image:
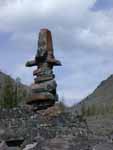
(30, 146)
(3, 146)
(105, 146)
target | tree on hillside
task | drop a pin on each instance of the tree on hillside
(8, 93)
(83, 109)
(20, 93)
(88, 111)
(12, 93)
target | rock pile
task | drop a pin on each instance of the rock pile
(44, 89)
(22, 129)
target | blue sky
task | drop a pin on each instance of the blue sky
(82, 35)
(103, 5)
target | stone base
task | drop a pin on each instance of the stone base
(41, 101)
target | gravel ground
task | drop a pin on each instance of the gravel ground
(22, 129)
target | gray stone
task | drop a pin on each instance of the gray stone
(103, 146)
(47, 86)
(43, 79)
(30, 146)
(3, 146)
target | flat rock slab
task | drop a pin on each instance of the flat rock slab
(30, 146)
(42, 87)
(37, 98)
(106, 146)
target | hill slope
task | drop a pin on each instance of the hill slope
(101, 97)
(23, 89)
(103, 94)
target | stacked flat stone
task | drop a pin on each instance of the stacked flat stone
(44, 88)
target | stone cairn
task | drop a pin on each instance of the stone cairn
(44, 89)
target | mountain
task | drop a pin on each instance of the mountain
(103, 94)
(100, 100)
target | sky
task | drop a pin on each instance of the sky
(82, 33)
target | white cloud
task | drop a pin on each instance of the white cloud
(20, 13)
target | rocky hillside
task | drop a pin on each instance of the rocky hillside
(51, 129)
(102, 95)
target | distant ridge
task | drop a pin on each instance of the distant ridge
(103, 94)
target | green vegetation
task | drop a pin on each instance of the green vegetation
(94, 109)
(12, 93)
(62, 106)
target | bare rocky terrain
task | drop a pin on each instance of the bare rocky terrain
(51, 129)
